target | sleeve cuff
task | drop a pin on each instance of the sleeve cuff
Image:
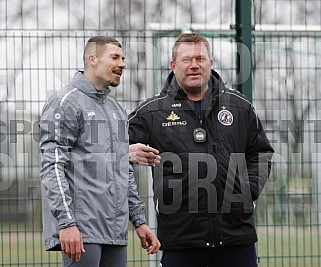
(138, 222)
(65, 225)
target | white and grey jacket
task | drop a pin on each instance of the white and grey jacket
(85, 172)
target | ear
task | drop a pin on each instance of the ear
(172, 64)
(92, 60)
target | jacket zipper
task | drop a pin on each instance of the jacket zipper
(109, 126)
(210, 242)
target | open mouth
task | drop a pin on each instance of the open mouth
(118, 72)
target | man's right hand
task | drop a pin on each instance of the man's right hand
(71, 242)
(143, 155)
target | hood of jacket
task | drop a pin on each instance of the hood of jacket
(83, 84)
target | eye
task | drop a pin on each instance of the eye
(202, 59)
(186, 59)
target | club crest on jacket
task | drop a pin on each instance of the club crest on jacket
(225, 117)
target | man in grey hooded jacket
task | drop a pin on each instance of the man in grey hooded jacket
(89, 191)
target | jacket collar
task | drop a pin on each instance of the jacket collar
(87, 87)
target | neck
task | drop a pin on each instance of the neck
(93, 79)
(196, 94)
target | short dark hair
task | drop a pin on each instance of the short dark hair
(96, 44)
(189, 38)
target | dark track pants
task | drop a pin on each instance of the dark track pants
(99, 256)
(234, 256)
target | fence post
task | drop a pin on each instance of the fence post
(244, 47)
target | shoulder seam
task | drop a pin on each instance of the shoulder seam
(147, 103)
(239, 96)
(66, 95)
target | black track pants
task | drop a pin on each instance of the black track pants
(234, 256)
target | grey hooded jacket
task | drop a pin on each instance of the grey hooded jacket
(85, 172)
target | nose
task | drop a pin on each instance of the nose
(121, 64)
(194, 63)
